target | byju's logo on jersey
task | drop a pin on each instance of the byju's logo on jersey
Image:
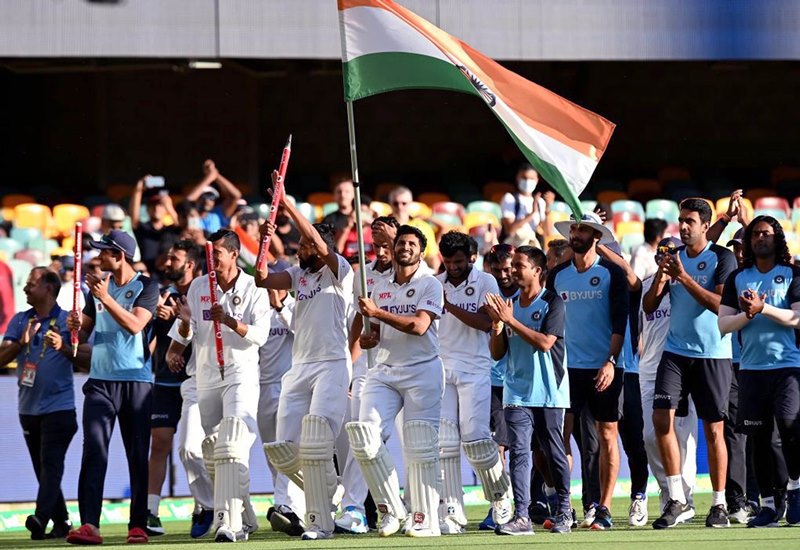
(594, 281)
(701, 266)
(206, 315)
(779, 279)
(470, 291)
(565, 296)
(410, 292)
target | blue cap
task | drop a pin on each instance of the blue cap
(117, 240)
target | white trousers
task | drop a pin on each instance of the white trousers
(355, 487)
(468, 403)
(190, 437)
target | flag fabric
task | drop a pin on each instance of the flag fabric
(386, 47)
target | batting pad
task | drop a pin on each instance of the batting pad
(208, 454)
(230, 458)
(484, 456)
(284, 456)
(377, 467)
(450, 457)
(319, 475)
(422, 460)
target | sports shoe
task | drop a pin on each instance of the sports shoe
(60, 530)
(740, 512)
(793, 507)
(488, 523)
(502, 511)
(201, 524)
(137, 535)
(572, 516)
(315, 533)
(34, 525)
(519, 526)
(602, 519)
(767, 517)
(538, 512)
(389, 524)
(224, 534)
(675, 512)
(85, 534)
(588, 516)
(449, 526)
(283, 519)
(247, 530)
(422, 526)
(562, 523)
(154, 527)
(352, 521)
(717, 517)
(637, 513)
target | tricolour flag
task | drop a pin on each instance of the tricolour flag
(386, 47)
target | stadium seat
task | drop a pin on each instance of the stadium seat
(20, 269)
(634, 207)
(380, 208)
(42, 244)
(607, 185)
(10, 246)
(728, 233)
(494, 188)
(92, 225)
(560, 206)
(61, 251)
(451, 208)
(783, 173)
(722, 206)
(608, 196)
(756, 193)
(419, 210)
(786, 225)
(433, 248)
(588, 206)
(14, 199)
(776, 213)
(328, 208)
(33, 215)
(644, 188)
(558, 216)
(308, 210)
(485, 206)
(6, 214)
(673, 230)
(33, 256)
(446, 221)
(630, 241)
(628, 228)
(662, 209)
(319, 198)
(673, 173)
(774, 202)
(382, 190)
(24, 235)
(65, 216)
(477, 219)
(625, 216)
(430, 198)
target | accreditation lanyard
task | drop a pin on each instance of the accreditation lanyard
(29, 370)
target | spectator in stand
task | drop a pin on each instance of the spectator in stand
(288, 242)
(66, 272)
(216, 207)
(155, 237)
(113, 217)
(344, 196)
(525, 211)
(400, 199)
(189, 223)
(6, 295)
(643, 258)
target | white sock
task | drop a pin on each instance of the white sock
(793, 484)
(717, 498)
(549, 491)
(675, 488)
(152, 503)
(768, 502)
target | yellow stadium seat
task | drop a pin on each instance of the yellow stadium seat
(33, 215)
(557, 216)
(69, 241)
(380, 208)
(430, 235)
(629, 228)
(62, 251)
(319, 198)
(722, 206)
(786, 225)
(65, 216)
(7, 214)
(13, 199)
(477, 219)
(420, 210)
(431, 198)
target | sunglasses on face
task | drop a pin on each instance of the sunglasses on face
(399, 203)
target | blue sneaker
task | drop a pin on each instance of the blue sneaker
(201, 524)
(488, 523)
(602, 519)
(793, 507)
(767, 517)
(352, 522)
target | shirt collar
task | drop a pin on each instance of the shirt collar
(54, 313)
(417, 274)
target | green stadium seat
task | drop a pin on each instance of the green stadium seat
(631, 241)
(25, 235)
(485, 206)
(328, 208)
(776, 213)
(10, 246)
(20, 269)
(663, 209)
(634, 207)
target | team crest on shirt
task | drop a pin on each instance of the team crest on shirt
(469, 291)
(701, 266)
(536, 315)
(237, 300)
(129, 295)
(594, 281)
(778, 279)
(410, 292)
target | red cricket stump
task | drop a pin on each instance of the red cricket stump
(276, 201)
(212, 285)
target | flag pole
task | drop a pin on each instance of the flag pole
(362, 262)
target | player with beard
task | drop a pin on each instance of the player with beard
(595, 293)
(313, 395)
(761, 299)
(466, 407)
(181, 267)
(353, 519)
(408, 374)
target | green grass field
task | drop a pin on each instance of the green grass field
(693, 536)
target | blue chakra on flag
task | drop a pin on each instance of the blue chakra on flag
(778, 279)
(701, 266)
(594, 281)
(410, 292)
(483, 90)
(469, 291)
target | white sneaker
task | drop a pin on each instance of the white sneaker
(449, 526)
(225, 534)
(352, 522)
(315, 533)
(588, 518)
(389, 525)
(637, 513)
(502, 511)
(407, 523)
(422, 526)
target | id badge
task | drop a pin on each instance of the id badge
(28, 375)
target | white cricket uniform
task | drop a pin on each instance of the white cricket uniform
(275, 360)
(355, 486)
(236, 394)
(318, 381)
(654, 329)
(408, 373)
(190, 437)
(466, 357)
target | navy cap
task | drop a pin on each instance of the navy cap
(737, 238)
(117, 240)
(667, 245)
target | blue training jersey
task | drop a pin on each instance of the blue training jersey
(498, 371)
(118, 355)
(693, 329)
(536, 378)
(766, 345)
(596, 303)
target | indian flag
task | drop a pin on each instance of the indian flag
(386, 47)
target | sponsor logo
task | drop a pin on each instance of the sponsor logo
(205, 299)
(582, 295)
(469, 291)
(594, 281)
(278, 331)
(129, 295)
(158, 416)
(410, 292)
(383, 509)
(384, 296)
(779, 279)
(473, 308)
(565, 296)
(312, 518)
(206, 315)
(658, 314)
(98, 306)
(419, 517)
(665, 396)
(701, 266)
(753, 422)
(308, 295)
(401, 309)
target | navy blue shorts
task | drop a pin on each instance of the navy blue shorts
(166, 407)
(707, 381)
(765, 395)
(605, 406)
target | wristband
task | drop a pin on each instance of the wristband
(498, 326)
